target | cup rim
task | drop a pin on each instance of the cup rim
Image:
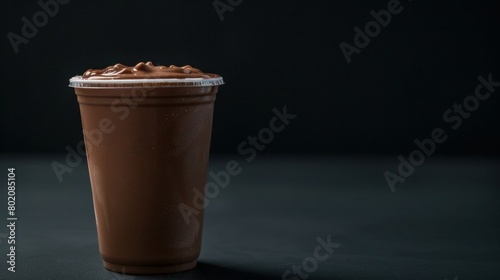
(79, 82)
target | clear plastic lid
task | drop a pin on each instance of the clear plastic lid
(79, 82)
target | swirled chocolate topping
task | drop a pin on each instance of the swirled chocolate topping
(146, 71)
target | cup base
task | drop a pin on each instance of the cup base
(153, 269)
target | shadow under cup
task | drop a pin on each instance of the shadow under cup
(147, 145)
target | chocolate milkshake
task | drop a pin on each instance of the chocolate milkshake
(147, 135)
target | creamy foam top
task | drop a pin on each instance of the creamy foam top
(146, 71)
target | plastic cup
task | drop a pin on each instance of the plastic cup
(147, 143)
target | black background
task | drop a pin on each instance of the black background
(442, 223)
(271, 54)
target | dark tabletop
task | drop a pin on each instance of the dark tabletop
(441, 223)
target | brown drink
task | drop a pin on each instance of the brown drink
(147, 135)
